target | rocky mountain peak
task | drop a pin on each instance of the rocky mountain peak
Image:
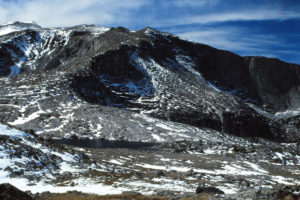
(152, 72)
(11, 27)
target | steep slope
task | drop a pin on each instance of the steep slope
(65, 73)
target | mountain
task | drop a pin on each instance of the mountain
(143, 72)
(149, 86)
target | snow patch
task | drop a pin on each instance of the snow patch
(113, 161)
(287, 113)
(5, 130)
(23, 120)
(81, 185)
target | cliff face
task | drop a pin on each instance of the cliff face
(138, 73)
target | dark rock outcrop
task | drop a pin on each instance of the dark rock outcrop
(9, 192)
(209, 190)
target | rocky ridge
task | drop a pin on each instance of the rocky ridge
(147, 72)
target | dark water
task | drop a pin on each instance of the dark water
(103, 144)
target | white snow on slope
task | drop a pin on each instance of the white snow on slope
(12, 27)
(32, 49)
(95, 30)
(287, 113)
(25, 22)
(81, 185)
(7, 30)
(188, 63)
(8, 149)
(23, 120)
(5, 130)
(46, 42)
(66, 165)
(233, 169)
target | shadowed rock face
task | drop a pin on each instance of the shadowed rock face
(87, 69)
(276, 83)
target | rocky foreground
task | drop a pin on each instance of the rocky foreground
(144, 114)
(230, 167)
(9, 192)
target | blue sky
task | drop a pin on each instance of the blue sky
(248, 27)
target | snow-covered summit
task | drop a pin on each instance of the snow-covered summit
(16, 22)
(10, 27)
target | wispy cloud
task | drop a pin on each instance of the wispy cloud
(229, 39)
(69, 12)
(216, 11)
(143, 12)
(240, 40)
(189, 3)
(245, 15)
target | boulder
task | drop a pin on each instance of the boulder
(9, 192)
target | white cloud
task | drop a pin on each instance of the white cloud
(69, 12)
(237, 40)
(216, 38)
(243, 15)
(137, 12)
(3, 13)
(191, 3)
